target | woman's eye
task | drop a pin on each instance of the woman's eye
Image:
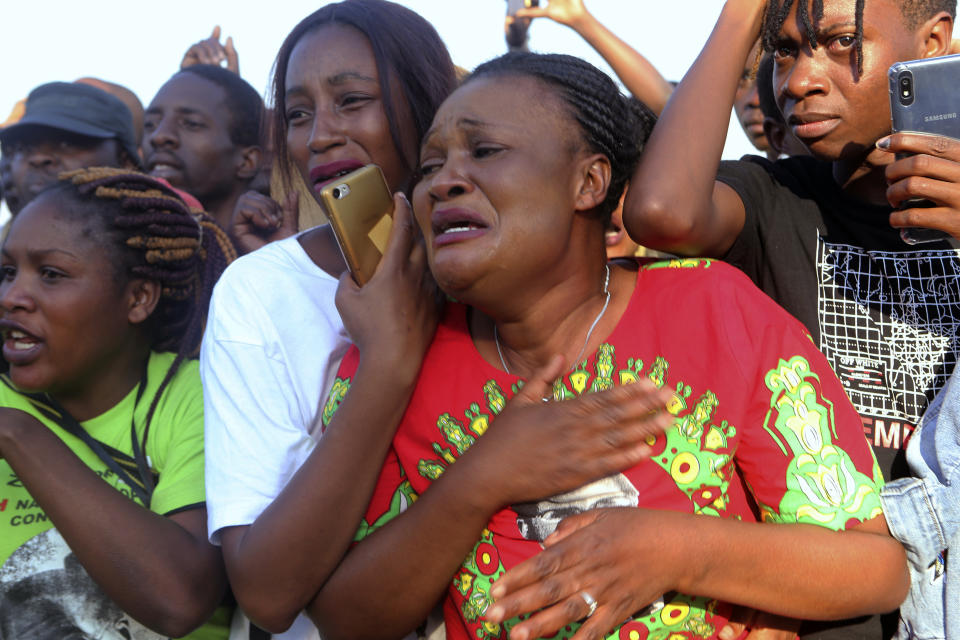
(297, 115)
(485, 152)
(427, 168)
(353, 101)
(48, 273)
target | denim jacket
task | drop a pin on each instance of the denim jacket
(923, 513)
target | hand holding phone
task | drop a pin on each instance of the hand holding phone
(359, 206)
(925, 99)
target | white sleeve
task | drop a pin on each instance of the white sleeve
(257, 428)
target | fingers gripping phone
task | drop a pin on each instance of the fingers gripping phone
(925, 98)
(360, 209)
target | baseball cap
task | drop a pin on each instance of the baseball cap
(80, 109)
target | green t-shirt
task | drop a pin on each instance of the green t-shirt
(44, 592)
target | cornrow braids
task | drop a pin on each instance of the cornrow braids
(610, 122)
(152, 233)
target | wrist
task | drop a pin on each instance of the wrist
(582, 22)
(748, 13)
(391, 376)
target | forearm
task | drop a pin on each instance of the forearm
(165, 576)
(278, 564)
(797, 570)
(421, 550)
(672, 204)
(638, 75)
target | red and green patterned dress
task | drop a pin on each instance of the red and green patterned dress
(763, 431)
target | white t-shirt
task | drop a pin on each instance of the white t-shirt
(273, 343)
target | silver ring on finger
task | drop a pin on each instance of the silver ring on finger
(591, 602)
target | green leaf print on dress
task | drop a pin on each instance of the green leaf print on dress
(823, 485)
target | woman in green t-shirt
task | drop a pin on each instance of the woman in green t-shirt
(106, 279)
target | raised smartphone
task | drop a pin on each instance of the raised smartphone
(360, 209)
(925, 98)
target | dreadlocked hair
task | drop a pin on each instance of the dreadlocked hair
(151, 233)
(611, 123)
(914, 13)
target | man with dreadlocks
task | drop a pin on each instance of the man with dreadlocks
(821, 234)
(106, 280)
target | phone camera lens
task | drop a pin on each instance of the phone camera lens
(336, 193)
(906, 88)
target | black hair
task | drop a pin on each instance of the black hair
(914, 12)
(765, 93)
(611, 123)
(148, 231)
(405, 47)
(242, 102)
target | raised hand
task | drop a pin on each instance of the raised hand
(258, 220)
(566, 12)
(211, 51)
(394, 316)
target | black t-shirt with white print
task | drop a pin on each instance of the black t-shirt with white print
(886, 314)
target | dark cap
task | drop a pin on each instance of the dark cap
(80, 109)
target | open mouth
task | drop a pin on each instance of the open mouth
(614, 235)
(453, 225)
(19, 347)
(325, 174)
(163, 169)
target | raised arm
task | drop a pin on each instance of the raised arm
(278, 564)
(161, 570)
(638, 75)
(674, 203)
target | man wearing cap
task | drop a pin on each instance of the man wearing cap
(66, 126)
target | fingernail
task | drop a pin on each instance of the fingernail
(883, 143)
(405, 198)
(494, 613)
(497, 591)
(726, 634)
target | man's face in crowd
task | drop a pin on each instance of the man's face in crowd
(830, 107)
(38, 154)
(746, 104)
(186, 138)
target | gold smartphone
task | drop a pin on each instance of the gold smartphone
(360, 209)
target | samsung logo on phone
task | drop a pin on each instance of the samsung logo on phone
(942, 116)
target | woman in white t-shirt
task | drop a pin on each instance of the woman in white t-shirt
(355, 83)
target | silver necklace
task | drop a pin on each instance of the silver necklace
(606, 290)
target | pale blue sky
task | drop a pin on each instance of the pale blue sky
(140, 44)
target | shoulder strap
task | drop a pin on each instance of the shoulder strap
(117, 461)
(140, 448)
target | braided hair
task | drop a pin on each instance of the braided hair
(611, 123)
(149, 232)
(914, 13)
